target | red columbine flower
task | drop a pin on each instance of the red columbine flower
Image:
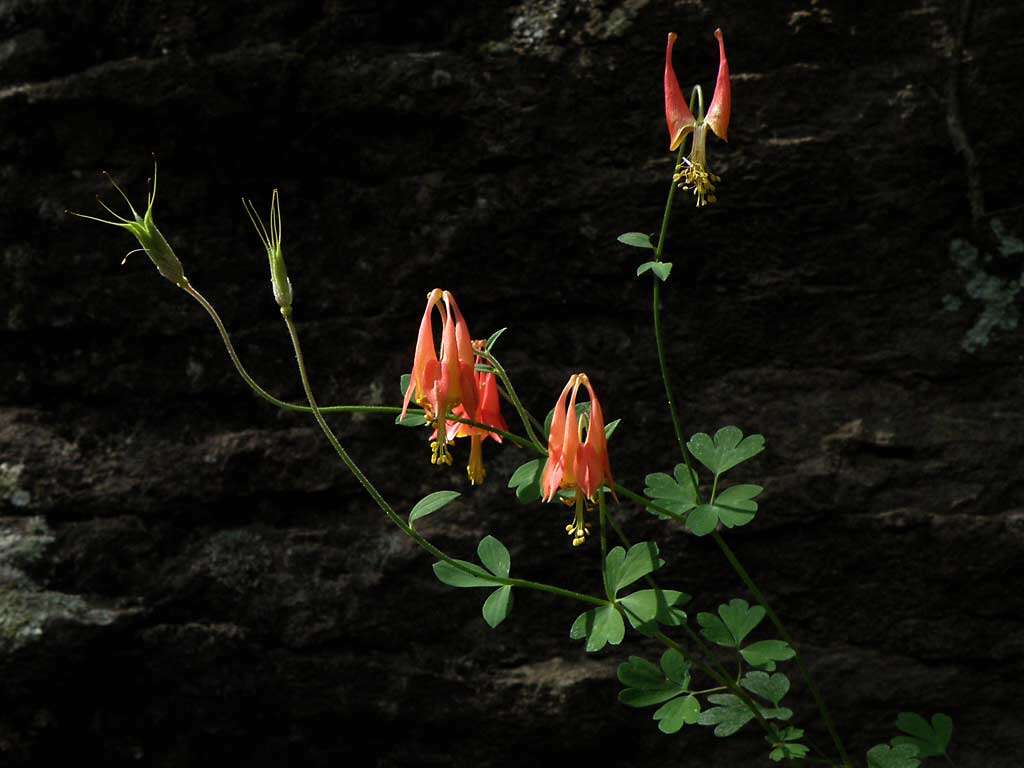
(693, 173)
(488, 411)
(574, 463)
(440, 385)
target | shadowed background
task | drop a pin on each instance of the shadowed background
(188, 577)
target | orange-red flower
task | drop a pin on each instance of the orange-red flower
(576, 463)
(693, 173)
(488, 411)
(441, 382)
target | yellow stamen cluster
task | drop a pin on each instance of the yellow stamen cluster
(439, 453)
(578, 528)
(696, 177)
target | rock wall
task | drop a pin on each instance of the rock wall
(188, 577)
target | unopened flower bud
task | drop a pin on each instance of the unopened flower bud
(151, 240)
(271, 237)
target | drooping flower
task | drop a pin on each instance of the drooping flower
(693, 174)
(576, 463)
(488, 411)
(441, 382)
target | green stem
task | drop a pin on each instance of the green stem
(327, 409)
(524, 415)
(603, 513)
(677, 426)
(656, 310)
(774, 618)
(381, 502)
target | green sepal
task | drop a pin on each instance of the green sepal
(610, 427)
(431, 503)
(727, 449)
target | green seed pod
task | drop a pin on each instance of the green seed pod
(271, 238)
(151, 239)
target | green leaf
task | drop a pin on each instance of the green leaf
(766, 652)
(884, 756)
(526, 481)
(403, 382)
(736, 506)
(641, 560)
(675, 667)
(610, 427)
(770, 688)
(454, 577)
(599, 626)
(635, 239)
(661, 605)
(702, 520)
(677, 494)
(788, 751)
(714, 629)
(640, 673)
(731, 714)
(431, 503)
(929, 740)
(498, 606)
(608, 628)
(661, 268)
(737, 621)
(673, 715)
(494, 556)
(740, 617)
(411, 420)
(727, 449)
(647, 685)
(493, 338)
(784, 747)
(613, 562)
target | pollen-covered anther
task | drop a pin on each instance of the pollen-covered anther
(439, 453)
(700, 181)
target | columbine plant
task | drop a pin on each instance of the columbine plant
(454, 390)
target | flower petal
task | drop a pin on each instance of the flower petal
(721, 103)
(678, 117)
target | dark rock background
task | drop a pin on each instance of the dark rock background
(188, 577)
